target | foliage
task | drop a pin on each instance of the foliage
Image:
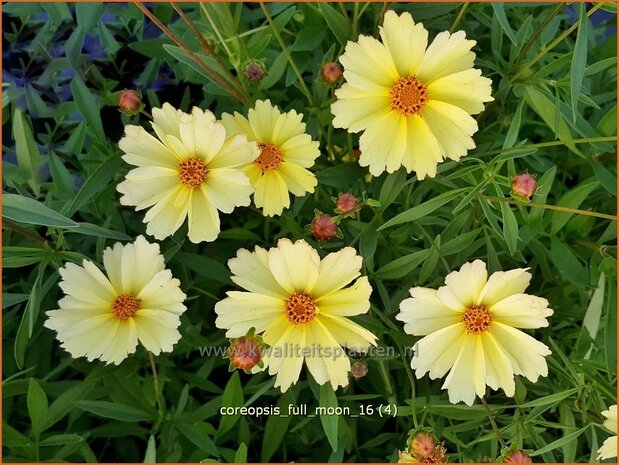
(554, 115)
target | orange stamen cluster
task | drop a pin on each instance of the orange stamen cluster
(477, 319)
(125, 306)
(192, 172)
(408, 96)
(270, 157)
(300, 308)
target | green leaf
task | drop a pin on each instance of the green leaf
(26, 150)
(499, 11)
(199, 434)
(114, 411)
(567, 439)
(343, 175)
(423, 209)
(336, 22)
(204, 266)
(88, 107)
(8, 300)
(232, 397)
(26, 325)
(88, 229)
(572, 199)
(37, 408)
(327, 399)
(275, 72)
(567, 263)
(62, 440)
(276, 428)
(402, 266)
(150, 456)
(25, 210)
(544, 184)
(510, 227)
(579, 60)
(391, 188)
(182, 56)
(550, 400)
(308, 39)
(241, 454)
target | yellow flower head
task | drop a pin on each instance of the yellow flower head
(301, 306)
(470, 331)
(285, 154)
(609, 448)
(104, 317)
(193, 170)
(412, 103)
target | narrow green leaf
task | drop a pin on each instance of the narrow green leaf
(37, 408)
(88, 107)
(199, 435)
(62, 440)
(579, 59)
(27, 151)
(423, 209)
(232, 397)
(25, 210)
(114, 411)
(88, 229)
(327, 399)
(572, 199)
(276, 428)
(499, 11)
(150, 455)
(336, 22)
(560, 442)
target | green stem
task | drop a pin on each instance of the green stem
(553, 44)
(537, 33)
(492, 422)
(574, 211)
(587, 140)
(153, 368)
(459, 17)
(282, 44)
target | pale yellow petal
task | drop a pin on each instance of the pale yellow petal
(237, 124)
(294, 265)
(371, 61)
(463, 381)
(157, 330)
(502, 284)
(522, 311)
(452, 127)
(262, 118)
(271, 194)
(145, 186)
(611, 418)
(86, 284)
(336, 361)
(287, 126)
(291, 364)
(436, 353)
(423, 152)
(227, 189)
(241, 311)
(236, 152)
(466, 89)
(608, 449)
(142, 149)
(300, 150)
(250, 270)
(163, 292)
(166, 120)
(405, 40)
(298, 180)
(347, 333)
(357, 109)
(140, 261)
(337, 270)
(353, 300)
(424, 313)
(124, 343)
(499, 373)
(163, 219)
(447, 54)
(383, 144)
(203, 218)
(467, 283)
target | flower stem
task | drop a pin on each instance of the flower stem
(153, 367)
(282, 44)
(537, 33)
(575, 211)
(214, 75)
(492, 422)
(586, 140)
(461, 13)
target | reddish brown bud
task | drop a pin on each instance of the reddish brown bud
(356, 154)
(422, 445)
(245, 352)
(346, 203)
(254, 71)
(359, 369)
(517, 456)
(130, 102)
(324, 227)
(331, 72)
(524, 185)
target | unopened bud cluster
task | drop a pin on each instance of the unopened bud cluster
(423, 447)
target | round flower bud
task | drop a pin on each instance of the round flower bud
(346, 203)
(524, 185)
(423, 445)
(331, 72)
(359, 369)
(130, 102)
(517, 456)
(324, 227)
(245, 352)
(254, 71)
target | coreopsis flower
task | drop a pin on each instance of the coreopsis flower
(193, 170)
(471, 331)
(300, 305)
(412, 102)
(285, 154)
(103, 316)
(609, 448)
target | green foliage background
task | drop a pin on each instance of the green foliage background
(554, 82)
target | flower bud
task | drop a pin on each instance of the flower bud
(130, 102)
(359, 369)
(524, 185)
(324, 227)
(517, 456)
(356, 154)
(331, 72)
(346, 203)
(254, 71)
(423, 445)
(245, 352)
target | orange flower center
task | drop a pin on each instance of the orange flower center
(300, 308)
(192, 172)
(270, 157)
(477, 319)
(125, 306)
(408, 96)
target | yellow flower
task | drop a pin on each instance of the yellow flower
(609, 448)
(285, 154)
(104, 317)
(301, 305)
(413, 103)
(194, 170)
(470, 330)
